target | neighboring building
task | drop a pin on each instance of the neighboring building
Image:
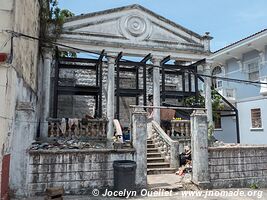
(246, 60)
(20, 81)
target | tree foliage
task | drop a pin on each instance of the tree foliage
(200, 102)
(57, 18)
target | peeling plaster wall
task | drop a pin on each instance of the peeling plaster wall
(6, 17)
(27, 22)
(18, 87)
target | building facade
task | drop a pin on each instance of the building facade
(244, 60)
(20, 93)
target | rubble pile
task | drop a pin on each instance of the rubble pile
(67, 144)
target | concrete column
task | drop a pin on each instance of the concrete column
(208, 101)
(139, 138)
(199, 143)
(111, 95)
(46, 91)
(156, 89)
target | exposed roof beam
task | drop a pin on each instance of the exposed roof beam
(118, 58)
(165, 60)
(146, 58)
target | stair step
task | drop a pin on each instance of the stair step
(152, 150)
(150, 146)
(149, 141)
(153, 155)
(155, 160)
(158, 165)
(161, 171)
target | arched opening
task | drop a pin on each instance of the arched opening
(217, 71)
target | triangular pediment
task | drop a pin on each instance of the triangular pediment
(129, 24)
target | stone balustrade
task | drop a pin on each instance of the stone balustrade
(91, 128)
(168, 148)
(180, 129)
(181, 132)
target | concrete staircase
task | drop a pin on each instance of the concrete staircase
(156, 164)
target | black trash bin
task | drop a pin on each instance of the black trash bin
(124, 175)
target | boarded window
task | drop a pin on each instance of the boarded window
(256, 118)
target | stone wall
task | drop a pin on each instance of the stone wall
(78, 171)
(238, 166)
(78, 106)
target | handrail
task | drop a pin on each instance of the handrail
(162, 133)
(168, 148)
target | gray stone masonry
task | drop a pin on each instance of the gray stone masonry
(238, 166)
(78, 171)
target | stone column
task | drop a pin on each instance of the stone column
(110, 95)
(199, 143)
(208, 101)
(46, 91)
(139, 138)
(156, 88)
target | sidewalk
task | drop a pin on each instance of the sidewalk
(198, 195)
(173, 187)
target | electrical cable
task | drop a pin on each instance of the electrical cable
(17, 34)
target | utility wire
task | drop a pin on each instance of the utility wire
(17, 34)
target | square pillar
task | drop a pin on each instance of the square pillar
(199, 143)
(139, 140)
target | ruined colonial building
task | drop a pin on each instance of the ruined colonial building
(61, 113)
(138, 56)
(130, 38)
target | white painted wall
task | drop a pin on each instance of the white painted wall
(248, 135)
(18, 83)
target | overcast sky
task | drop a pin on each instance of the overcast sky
(226, 20)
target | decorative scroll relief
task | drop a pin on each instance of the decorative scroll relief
(135, 27)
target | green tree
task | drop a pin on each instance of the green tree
(57, 18)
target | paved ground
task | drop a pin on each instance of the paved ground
(258, 194)
(165, 181)
(174, 187)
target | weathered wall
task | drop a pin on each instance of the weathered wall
(78, 106)
(5, 73)
(238, 166)
(78, 171)
(25, 58)
(18, 77)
